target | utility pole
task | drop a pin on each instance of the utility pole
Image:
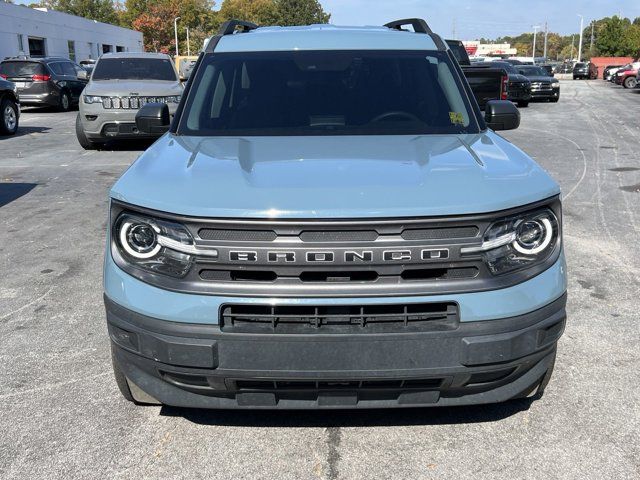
(188, 46)
(572, 45)
(533, 52)
(546, 33)
(175, 30)
(580, 43)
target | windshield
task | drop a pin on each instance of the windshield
(21, 69)
(134, 69)
(533, 72)
(580, 65)
(326, 93)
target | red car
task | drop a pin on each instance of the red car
(627, 76)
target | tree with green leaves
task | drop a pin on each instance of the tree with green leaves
(610, 36)
(262, 12)
(100, 10)
(301, 12)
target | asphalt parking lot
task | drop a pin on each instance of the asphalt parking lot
(61, 415)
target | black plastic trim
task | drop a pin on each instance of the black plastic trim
(229, 27)
(419, 25)
(199, 366)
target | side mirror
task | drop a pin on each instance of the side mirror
(501, 115)
(153, 118)
(83, 75)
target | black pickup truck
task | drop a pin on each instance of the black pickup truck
(487, 83)
(519, 86)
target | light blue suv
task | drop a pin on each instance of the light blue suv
(330, 222)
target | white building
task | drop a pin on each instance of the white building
(477, 49)
(38, 32)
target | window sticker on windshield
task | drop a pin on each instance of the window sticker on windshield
(456, 118)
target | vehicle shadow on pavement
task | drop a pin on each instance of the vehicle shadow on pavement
(26, 131)
(352, 418)
(127, 145)
(10, 191)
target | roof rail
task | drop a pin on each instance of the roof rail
(418, 24)
(230, 27)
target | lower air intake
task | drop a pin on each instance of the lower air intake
(339, 319)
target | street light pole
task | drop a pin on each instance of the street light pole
(188, 46)
(533, 53)
(580, 43)
(175, 30)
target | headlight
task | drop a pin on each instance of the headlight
(154, 245)
(555, 85)
(518, 242)
(92, 99)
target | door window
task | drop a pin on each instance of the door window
(68, 70)
(56, 68)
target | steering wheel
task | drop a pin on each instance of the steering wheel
(401, 114)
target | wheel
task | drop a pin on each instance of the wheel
(82, 138)
(64, 105)
(630, 82)
(555, 100)
(8, 117)
(574, 77)
(130, 391)
(121, 381)
(523, 103)
(547, 376)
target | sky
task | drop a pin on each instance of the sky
(477, 18)
(481, 18)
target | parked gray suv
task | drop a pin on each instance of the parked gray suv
(120, 84)
(45, 82)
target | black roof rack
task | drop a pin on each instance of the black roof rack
(231, 26)
(418, 24)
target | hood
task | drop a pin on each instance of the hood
(517, 78)
(122, 88)
(333, 177)
(543, 78)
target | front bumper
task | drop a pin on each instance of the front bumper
(198, 366)
(545, 93)
(43, 99)
(99, 123)
(519, 92)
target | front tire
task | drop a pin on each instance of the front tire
(131, 392)
(64, 104)
(82, 138)
(121, 381)
(9, 116)
(630, 82)
(523, 104)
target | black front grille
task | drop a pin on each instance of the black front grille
(338, 319)
(338, 276)
(339, 236)
(440, 233)
(237, 235)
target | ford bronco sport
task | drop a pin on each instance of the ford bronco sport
(330, 222)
